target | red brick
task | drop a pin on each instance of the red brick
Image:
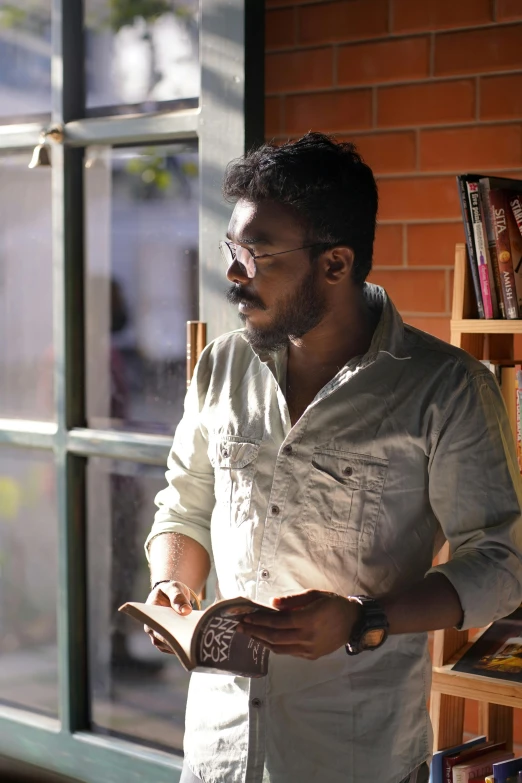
(384, 61)
(426, 104)
(303, 70)
(279, 28)
(438, 327)
(409, 15)
(418, 198)
(433, 244)
(342, 21)
(475, 51)
(387, 153)
(501, 97)
(508, 9)
(273, 109)
(387, 250)
(329, 111)
(414, 291)
(458, 149)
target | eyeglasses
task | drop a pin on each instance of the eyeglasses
(233, 253)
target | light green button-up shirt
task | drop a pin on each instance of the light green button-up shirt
(404, 447)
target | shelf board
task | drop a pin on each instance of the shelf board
(486, 326)
(473, 686)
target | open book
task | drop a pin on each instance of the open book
(207, 640)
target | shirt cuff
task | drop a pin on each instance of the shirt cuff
(484, 597)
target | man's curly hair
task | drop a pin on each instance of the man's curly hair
(326, 182)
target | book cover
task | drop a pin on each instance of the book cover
(480, 766)
(487, 222)
(470, 243)
(498, 203)
(207, 640)
(436, 767)
(482, 253)
(507, 771)
(497, 652)
(515, 203)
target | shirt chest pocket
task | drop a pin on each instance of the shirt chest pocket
(343, 498)
(234, 476)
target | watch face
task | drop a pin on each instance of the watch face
(373, 638)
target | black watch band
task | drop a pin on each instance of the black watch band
(371, 629)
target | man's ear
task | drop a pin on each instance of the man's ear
(338, 262)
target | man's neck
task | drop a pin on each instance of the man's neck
(340, 337)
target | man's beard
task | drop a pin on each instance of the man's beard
(296, 315)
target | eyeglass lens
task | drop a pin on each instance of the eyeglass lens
(232, 253)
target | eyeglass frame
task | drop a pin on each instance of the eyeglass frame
(235, 260)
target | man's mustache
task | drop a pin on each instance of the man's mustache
(237, 294)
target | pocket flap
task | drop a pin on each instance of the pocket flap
(358, 471)
(234, 455)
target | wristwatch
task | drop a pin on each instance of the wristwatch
(371, 629)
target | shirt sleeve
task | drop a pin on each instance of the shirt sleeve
(186, 504)
(476, 494)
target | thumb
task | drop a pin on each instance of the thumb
(297, 601)
(179, 597)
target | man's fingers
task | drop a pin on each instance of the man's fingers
(174, 594)
(297, 601)
(273, 635)
(272, 620)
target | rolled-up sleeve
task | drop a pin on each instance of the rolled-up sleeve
(186, 504)
(476, 494)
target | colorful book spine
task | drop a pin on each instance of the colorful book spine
(518, 376)
(499, 210)
(515, 240)
(468, 229)
(488, 296)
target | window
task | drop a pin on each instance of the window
(103, 258)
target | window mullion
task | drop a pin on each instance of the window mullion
(67, 195)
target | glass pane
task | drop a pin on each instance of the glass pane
(142, 56)
(26, 381)
(25, 58)
(142, 265)
(28, 580)
(136, 691)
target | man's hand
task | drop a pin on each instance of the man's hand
(308, 625)
(175, 595)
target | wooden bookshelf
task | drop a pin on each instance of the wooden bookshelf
(493, 340)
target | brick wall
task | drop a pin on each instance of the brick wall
(426, 89)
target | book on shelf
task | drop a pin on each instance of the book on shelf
(468, 756)
(511, 388)
(507, 771)
(492, 215)
(497, 652)
(482, 765)
(437, 762)
(207, 640)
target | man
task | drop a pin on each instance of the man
(325, 453)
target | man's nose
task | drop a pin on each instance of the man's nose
(237, 273)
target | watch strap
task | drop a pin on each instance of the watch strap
(372, 618)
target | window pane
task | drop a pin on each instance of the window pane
(25, 58)
(141, 56)
(28, 580)
(26, 383)
(136, 691)
(142, 251)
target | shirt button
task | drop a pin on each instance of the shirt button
(225, 452)
(265, 573)
(274, 510)
(347, 471)
(256, 702)
(287, 450)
